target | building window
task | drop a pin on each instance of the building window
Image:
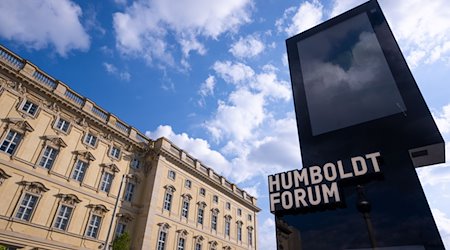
(129, 191)
(185, 209)
(30, 108)
(115, 152)
(79, 171)
(162, 236)
(239, 231)
(216, 199)
(198, 242)
(202, 192)
(9, 144)
(227, 225)
(188, 184)
(62, 218)
(168, 197)
(94, 226)
(26, 207)
(181, 243)
(214, 221)
(228, 206)
(135, 163)
(201, 212)
(62, 125)
(90, 139)
(249, 217)
(172, 174)
(120, 229)
(48, 158)
(198, 246)
(239, 212)
(250, 235)
(107, 179)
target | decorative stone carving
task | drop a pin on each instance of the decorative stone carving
(69, 199)
(55, 140)
(84, 155)
(3, 176)
(18, 124)
(98, 209)
(33, 187)
(125, 217)
(110, 166)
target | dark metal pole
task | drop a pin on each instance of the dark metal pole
(364, 207)
(114, 213)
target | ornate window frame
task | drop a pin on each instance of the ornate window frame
(198, 240)
(163, 228)
(185, 198)
(32, 100)
(168, 197)
(50, 141)
(250, 236)
(68, 200)
(33, 188)
(227, 222)
(124, 219)
(95, 210)
(84, 156)
(239, 224)
(107, 168)
(201, 205)
(19, 126)
(181, 234)
(67, 119)
(214, 214)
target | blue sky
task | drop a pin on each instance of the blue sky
(212, 76)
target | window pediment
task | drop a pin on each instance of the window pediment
(18, 124)
(33, 187)
(55, 140)
(215, 211)
(98, 208)
(110, 166)
(126, 217)
(3, 176)
(69, 199)
(170, 188)
(85, 155)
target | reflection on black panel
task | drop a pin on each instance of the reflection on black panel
(346, 77)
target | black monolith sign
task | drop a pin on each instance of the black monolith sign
(363, 127)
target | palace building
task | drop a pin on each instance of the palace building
(74, 176)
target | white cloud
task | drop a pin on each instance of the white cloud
(443, 223)
(443, 119)
(196, 147)
(267, 234)
(39, 24)
(252, 190)
(207, 87)
(296, 20)
(234, 73)
(247, 47)
(142, 29)
(113, 70)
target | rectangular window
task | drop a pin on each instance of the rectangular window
(249, 217)
(94, 226)
(62, 125)
(198, 246)
(228, 206)
(161, 240)
(181, 243)
(216, 199)
(106, 181)
(250, 237)
(90, 139)
(115, 152)
(62, 218)
(167, 201)
(185, 209)
(214, 222)
(202, 191)
(30, 108)
(188, 184)
(79, 171)
(172, 175)
(26, 207)
(227, 228)
(135, 163)
(11, 141)
(239, 212)
(120, 229)
(129, 191)
(239, 233)
(48, 157)
(200, 214)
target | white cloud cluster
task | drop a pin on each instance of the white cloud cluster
(113, 70)
(196, 147)
(443, 223)
(247, 47)
(443, 119)
(296, 20)
(143, 27)
(39, 24)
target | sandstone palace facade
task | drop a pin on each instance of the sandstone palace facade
(64, 162)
